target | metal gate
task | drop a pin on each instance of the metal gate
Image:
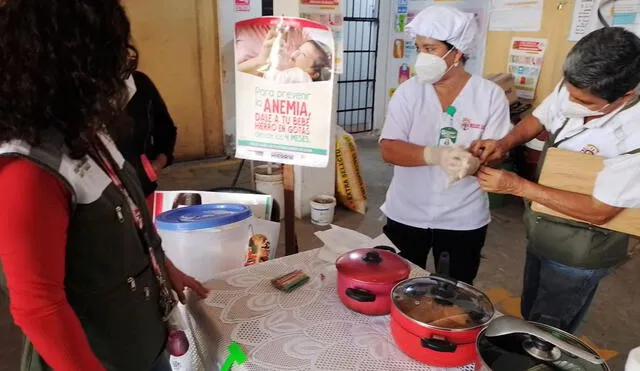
(356, 86)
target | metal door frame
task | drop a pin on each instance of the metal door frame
(354, 14)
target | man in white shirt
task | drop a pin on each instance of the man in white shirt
(431, 202)
(594, 110)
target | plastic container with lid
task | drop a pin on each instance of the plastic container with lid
(436, 319)
(206, 240)
(366, 277)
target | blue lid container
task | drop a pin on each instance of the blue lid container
(202, 217)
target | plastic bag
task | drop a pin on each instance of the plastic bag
(468, 167)
(350, 187)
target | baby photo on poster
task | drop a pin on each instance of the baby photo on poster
(282, 53)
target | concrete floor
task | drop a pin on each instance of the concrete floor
(612, 326)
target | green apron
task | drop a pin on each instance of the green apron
(569, 242)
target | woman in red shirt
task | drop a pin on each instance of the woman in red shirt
(62, 70)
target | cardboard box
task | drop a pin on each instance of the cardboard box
(577, 172)
(508, 83)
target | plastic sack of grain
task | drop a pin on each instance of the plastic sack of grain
(350, 187)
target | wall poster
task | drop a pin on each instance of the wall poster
(284, 87)
(525, 63)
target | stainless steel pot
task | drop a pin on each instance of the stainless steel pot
(512, 344)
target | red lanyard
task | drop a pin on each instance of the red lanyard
(135, 210)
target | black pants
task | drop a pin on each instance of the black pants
(463, 247)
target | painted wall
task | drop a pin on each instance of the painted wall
(178, 44)
(556, 23)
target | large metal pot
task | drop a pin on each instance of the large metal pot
(512, 344)
(435, 320)
(366, 277)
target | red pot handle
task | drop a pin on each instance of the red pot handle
(361, 295)
(438, 345)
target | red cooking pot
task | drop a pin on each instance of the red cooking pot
(366, 277)
(436, 320)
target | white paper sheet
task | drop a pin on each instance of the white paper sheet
(621, 13)
(338, 240)
(627, 6)
(516, 15)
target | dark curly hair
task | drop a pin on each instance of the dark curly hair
(62, 66)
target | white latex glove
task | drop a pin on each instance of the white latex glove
(456, 161)
(469, 165)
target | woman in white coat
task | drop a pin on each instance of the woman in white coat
(431, 119)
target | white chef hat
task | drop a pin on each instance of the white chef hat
(445, 23)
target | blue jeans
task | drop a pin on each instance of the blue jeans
(556, 294)
(161, 363)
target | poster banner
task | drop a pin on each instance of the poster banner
(242, 5)
(284, 90)
(260, 205)
(525, 64)
(330, 14)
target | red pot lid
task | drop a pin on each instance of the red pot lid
(373, 266)
(442, 303)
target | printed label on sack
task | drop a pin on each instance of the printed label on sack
(448, 137)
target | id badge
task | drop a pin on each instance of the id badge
(448, 137)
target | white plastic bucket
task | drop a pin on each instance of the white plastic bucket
(322, 209)
(271, 184)
(206, 240)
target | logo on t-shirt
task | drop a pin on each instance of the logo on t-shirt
(468, 125)
(590, 149)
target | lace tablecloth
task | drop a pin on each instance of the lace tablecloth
(307, 329)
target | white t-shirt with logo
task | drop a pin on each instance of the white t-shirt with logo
(610, 136)
(418, 196)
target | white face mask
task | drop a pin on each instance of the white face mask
(431, 68)
(574, 110)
